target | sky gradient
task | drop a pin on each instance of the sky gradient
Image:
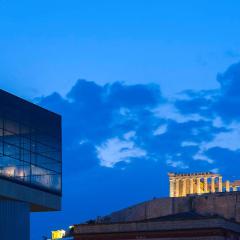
(144, 87)
(47, 45)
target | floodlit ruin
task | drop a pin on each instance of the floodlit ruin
(183, 184)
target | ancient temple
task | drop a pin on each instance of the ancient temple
(183, 184)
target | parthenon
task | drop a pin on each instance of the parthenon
(183, 184)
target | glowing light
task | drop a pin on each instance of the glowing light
(58, 234)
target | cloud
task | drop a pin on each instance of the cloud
(221, 103)
(229, 100)
(177, 164)
(121, 140)
(200, 156)
(133, 96)
(188, 143)
(115, 150)
(169, 111)
(110, 125)
(227, 161)
(215, 170)
(101, 120)
(228, 139)
(160, 130)
(220, 108)
(198, 103)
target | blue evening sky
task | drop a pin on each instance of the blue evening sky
(144, 87)
(47, 45)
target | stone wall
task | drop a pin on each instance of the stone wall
(214, 228)
(223, 204)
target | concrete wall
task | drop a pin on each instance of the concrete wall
(38, 200)
(223, 204)
(191, 238)
(202, 228)
(157, 226)
(14, 220)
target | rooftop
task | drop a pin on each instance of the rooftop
(171, 174)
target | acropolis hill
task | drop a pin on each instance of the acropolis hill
(203, 193)
(201, 206)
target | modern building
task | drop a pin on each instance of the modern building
(208, 214)
(30, 164)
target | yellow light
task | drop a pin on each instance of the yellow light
(58, 234)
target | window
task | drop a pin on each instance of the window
(30, 144)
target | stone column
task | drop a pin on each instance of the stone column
(205, 184)
(177, 188)
(220, 184)
(191, 185)
(227, 186)
(198, 185)
(171, 187)
(184, 187)
(212, 184)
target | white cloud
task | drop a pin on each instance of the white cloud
(124, 111)
(160, 130)
(188, 144)
(176, 164)
(200, 156)
(215, 170)
(169, 111)
(82, 141)
(115, 150)
(129, 135)
(229, 139)
(218, 123)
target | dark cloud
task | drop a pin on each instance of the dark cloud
(197, 102)
(223, 102)
(93, 113)
(135, 96)
(181, 143)
(227, 160)
(228, 104)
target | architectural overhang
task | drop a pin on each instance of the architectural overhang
(39, 200)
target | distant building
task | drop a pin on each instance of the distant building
(200, 215)
(185, 226)
(30, 164)
(183, 184)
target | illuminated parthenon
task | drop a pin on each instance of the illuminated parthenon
(183, 184)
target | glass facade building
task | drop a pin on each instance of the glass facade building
(30, 144)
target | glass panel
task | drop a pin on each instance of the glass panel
(30, 144)
(11, 126)
(11, 151)
(26, 143)
(11, 138)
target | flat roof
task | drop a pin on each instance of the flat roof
(182, 221)
(172, 174)
(24, 101)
